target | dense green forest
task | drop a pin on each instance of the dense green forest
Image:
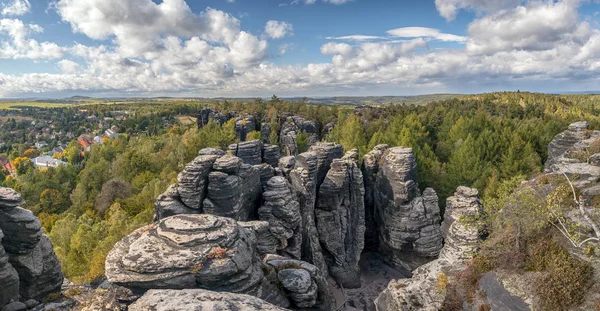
(482, 141)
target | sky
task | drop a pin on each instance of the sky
(242, 48)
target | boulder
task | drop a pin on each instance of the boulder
(304, 283)
(266, 242)
(282, 212)
(192, 251)
(340, 219)
(250, 151)
(421, 292)
(193, 181)
(371, 169)
(408, 222)
(286, 164)
(8, 278)
(304, 186)
(199, 299)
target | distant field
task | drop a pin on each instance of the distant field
(185, 120)
(12, 105)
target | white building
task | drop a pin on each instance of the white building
(47, 161)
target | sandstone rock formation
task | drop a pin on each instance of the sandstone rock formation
(408, 222)
(371, 169)
(208, 114)
(340, 219)
(28, 266)
(569, 152)
(304, 186)
(304, 283)
(290, 130)
(282, 212)
(250, 151)
(265, 132)
(193, 180)
(271, 155)
(244, 125)
(199, 299)
(421, 291)
(8, 278)
(192, 251)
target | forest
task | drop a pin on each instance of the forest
(489, 141)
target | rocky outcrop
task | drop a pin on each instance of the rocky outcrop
(304, 186)
(244, 125)
(421, 291)
(286, 164)
(199, 299)
(282, 212)
(271, 155)
(265, 132)
(233, 191)
(570, 152)
(304, 283)
(25, 253)
(208, 114)
(250, 151)
(192, 251)
(408, 222)
(290, 130)
(371, 169)
(326, 153)
(340, 219)
(192, 181)
(8, 278)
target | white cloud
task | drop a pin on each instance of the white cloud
(449, 8)
(208, 53)
(277, 29)
(20, 46)
(68, 66)
(356, 38)
(417, 32)
(15, 8)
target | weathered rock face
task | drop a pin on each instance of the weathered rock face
(28, 265)
(371, 169)
(304, 283)
(286, 164)
(250, 151)
(567, 148)
(461, 242)
(192, 251)
(271, 155)
(169, 204)
(282, 212)
(421, 291)
(244, 125)
(265, 132)
(290, 130)
(340, 219)
(304, 185)
(207, 114)
(408, 223)
(326, 153)
(199, 299)
(8, 278)
(193, 180)
(233, 194)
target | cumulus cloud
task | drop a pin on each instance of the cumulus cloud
(277, 29)
(208, 52)
(19, 45)
(449, 8)
(15, 8)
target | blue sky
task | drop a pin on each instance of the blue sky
(296, 48)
